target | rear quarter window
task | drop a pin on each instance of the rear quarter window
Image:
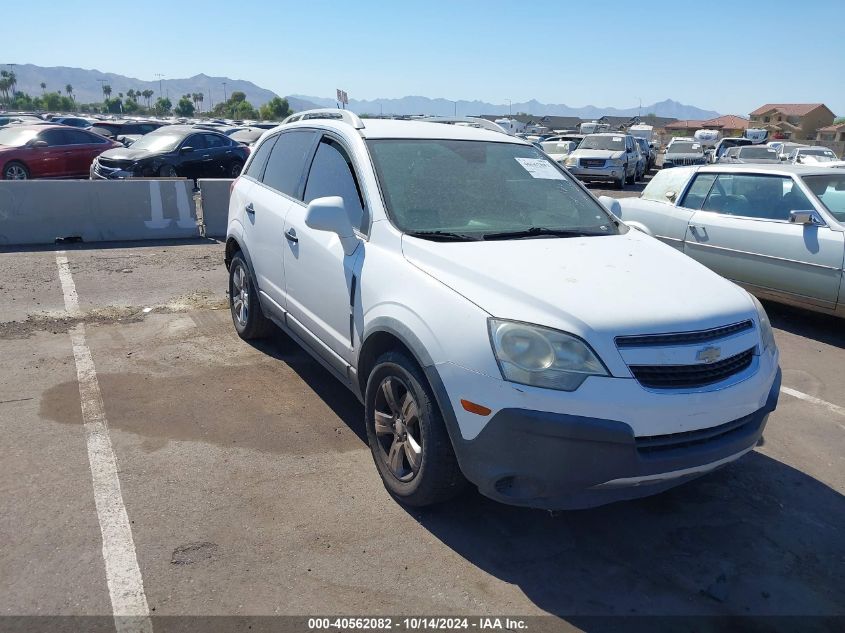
(664, 181)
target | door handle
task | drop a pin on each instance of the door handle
(250, 209)
(694, 228)
(206, 156)
(290, 234)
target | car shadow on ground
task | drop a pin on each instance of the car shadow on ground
(813, 325)
(755, 538)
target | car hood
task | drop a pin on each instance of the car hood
(597, 153)
(127, 153)
(595, 287)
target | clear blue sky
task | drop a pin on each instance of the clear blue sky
(725, 56)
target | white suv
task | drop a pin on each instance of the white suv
(499, 325)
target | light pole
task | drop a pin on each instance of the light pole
(509, 107)
(224, 92)
(160, 91)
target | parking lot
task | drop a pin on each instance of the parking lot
(249, 487)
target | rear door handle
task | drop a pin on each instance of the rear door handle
(290, 234)
(250, 209)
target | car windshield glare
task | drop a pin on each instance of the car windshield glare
(153, 142)
(685, 148)
(17, 137)
(478, 188)
(757, 152)
(614, 143)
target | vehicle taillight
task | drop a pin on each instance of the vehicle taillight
(232, 186)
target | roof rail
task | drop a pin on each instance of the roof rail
(470, 121)
(327, 113)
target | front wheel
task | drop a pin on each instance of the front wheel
(167, 171)
(15, 171)
(633, 177)
(407, 436)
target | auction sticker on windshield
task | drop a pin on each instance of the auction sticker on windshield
(540, 168)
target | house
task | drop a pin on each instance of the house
(796, 121)
(834, 132)
(728, 125)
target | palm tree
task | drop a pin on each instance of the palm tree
(13, 81)
(200, 98)
(43, 88)
(4, 86)
(147, 94)
(130, 94)
(106, 90)
(69, 91)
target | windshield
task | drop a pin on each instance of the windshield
(615, 143)
(17, 137)
(820, 154)
(558, 147)
(685, 148)
(165, 142)
(475, 188)
(758, 152)
(831, 191)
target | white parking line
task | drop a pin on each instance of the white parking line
(834, 408)
(123, 576)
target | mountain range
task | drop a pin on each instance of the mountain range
(87, 84)
(87, 87)
(445, 107)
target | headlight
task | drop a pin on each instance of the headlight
(616, 162)
(542, 357)
(571, 161)
(766, 334)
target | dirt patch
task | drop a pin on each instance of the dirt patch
(60, 322)
(193, 553)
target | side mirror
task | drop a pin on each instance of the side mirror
(612, 205)
(329, 214)
(37, 143)
(810, 217)
(186, 150)
(671, 195)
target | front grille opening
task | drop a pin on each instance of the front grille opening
(684, 338)
(687, 376)
(653, 445)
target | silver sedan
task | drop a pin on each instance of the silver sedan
(779, 231)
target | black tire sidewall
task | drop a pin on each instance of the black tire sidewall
(395, 364)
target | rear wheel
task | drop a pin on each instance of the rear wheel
(407, 436)
(249, 320)
(15, 170)
(235, 169)
(167, 171)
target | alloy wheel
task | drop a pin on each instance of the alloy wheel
(397, 427)
(240, 295)
(15, 172)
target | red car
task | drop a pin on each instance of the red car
(49, 151)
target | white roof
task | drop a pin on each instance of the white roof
(781, 170)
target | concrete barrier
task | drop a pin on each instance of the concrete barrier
(214, 197)
(42, 211)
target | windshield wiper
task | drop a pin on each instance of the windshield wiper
(535, 231)
(443, 236)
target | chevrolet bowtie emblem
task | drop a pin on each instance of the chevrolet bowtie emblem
(708, 354)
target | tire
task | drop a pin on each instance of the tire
(235, 169)
(167, 171)
(15, 170)
(247, 316)
(620, 184)
(632, 178)
(410, 445)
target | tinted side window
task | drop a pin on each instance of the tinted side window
(698, 191)
(256, 166)
(77, 137)
(53, 137)
(332, 175)
(212, 140)
(287, 161)
(197, 141)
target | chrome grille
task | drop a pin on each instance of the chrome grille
(592, 162)
(686, 376)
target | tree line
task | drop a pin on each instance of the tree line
(137, 102)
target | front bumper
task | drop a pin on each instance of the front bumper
(559, 461)
(609, 174)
